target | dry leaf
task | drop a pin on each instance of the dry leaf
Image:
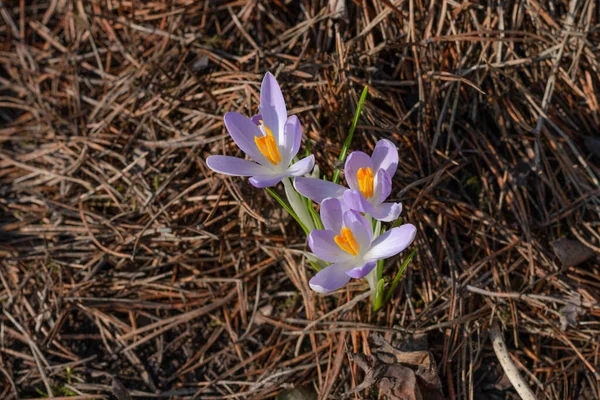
(401, 375)
(570, 312)
(571, 252)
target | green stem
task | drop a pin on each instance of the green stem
(372, 280)
(374, 277)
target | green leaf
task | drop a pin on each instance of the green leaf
(380, 268)
(399, 274)
(396, 223)
(308, 148)
(378, 300)
(346, 146)
(313, 213)
(315, 266)
(315, 262)
(287, 208)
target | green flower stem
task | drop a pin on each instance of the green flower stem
(372, 281)
(378, 231)
(373, 276)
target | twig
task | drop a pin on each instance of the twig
(510, 369)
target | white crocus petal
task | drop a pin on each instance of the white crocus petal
(292, 139)
(330, 278)
(302, 167)
(243, 131)
(332, 214)
(234, 166)
(391, 242)
(272, 106)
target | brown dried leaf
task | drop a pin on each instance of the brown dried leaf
(406, 375)
(570, 312)
(399, 383)
(571, 252)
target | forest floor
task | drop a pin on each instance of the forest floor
(129, 269)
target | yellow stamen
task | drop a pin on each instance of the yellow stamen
(347, 242)
(268, 146)
(365, 181)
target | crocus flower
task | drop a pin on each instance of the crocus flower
(271, 139)
(347, 242)
(369, 179)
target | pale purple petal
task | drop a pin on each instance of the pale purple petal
(332, 214)
(243, 131)
(356, 201)
(235, 166)
(317, 189)
(382, 186)
(355, 161)
(302, 167)
(272, 106)
(391, 242)
(360, 229)
(362, 271)
(321, 243)
(330, 278)
(292, 138)
(256, 119)
(387, 212)
(385, 156)
(263, 181)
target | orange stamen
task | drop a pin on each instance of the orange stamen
(347, 242)
(365, 181)
(268, 146)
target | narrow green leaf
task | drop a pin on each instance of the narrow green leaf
(316, 217)
(287, 208)
(396, 223)
(399, 274)
(315, 266)
(380, 268)
(348, 142)
(315, 262)
(378, 300)
(308, 148)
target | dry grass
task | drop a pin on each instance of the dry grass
(123, 255)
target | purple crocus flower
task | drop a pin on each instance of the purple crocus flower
(347, 242)
(271, 139)
(369, 179)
